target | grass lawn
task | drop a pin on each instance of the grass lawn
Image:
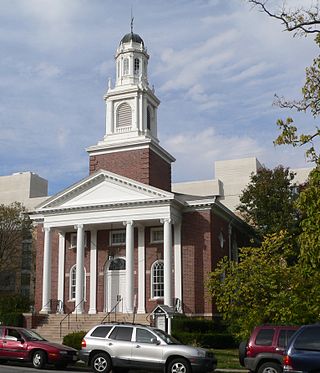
(228, 359)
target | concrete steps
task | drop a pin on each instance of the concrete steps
(52, 330)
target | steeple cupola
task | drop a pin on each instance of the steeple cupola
(131, 61)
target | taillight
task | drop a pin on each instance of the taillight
(287, 361)
(83, 343)
(250, 352)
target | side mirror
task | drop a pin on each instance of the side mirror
(155, 341)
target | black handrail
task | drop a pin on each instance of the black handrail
(113, 308)
(68, 316)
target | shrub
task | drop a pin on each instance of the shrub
(74, 339)
(12, 319)
(14, 303)
(208, 340)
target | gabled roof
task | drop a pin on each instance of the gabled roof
(104, 188)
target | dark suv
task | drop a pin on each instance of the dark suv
(303, 351)
(263, 352)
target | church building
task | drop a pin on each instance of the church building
(122, 239)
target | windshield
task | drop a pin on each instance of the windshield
(166, 337)
(32, 336)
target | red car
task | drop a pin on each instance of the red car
(22, 344)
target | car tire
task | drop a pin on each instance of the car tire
(242, 352)
(179, 365)
(270, 368)
(101, 363)
(39, 359)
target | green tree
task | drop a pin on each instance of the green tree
(302, 22)
(271, 283)
(268, 201)
(15, 226)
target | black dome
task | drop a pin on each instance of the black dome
(131, 36)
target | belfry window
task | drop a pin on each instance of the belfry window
(157, 279)
(136, 66)
(124, 115)
(126, 66)
(148, 118)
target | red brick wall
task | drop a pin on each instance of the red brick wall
(196, 261)
(142, 165)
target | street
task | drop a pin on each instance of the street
(14, 367)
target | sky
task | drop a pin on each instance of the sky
(215, 65)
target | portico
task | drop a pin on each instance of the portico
(142, 207)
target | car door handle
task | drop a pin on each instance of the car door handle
(110, 344)
(138, 346)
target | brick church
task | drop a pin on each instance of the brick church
(122, 238)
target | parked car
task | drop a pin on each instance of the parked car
(124, 346)
(263, 352)
(303, 351)
(26, 345)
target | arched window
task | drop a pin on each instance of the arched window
(136, 66)
(126, 66)
(148, 118)
(124, 115)
(72, 283)
(117, 264)
(157, 279)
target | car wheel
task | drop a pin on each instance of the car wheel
(179, 366)
(242, 352)
(39, 359)
(270, 368)
(101, 363)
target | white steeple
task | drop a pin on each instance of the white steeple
(131, 106)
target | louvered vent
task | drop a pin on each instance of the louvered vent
(124, 115)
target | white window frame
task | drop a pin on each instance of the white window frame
(153, 231)
(111, 241)
(72, 283)
(153, 283)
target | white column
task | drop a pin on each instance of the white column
(167, 259)
(129, 265)
(93, 272)
(79, 270)
(46, 276)
(141, 271)
(177, 263)
(61, 260)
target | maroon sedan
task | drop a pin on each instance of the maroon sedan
(26, 345)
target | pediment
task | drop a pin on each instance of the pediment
(104, 188)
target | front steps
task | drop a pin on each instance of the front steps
(51, 330)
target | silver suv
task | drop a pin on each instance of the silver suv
(123, 346)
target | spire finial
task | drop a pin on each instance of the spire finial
(132, 18)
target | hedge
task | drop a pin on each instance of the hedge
(12, 319)
(74, 339)
(208, 340)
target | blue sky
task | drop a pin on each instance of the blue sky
(215, 65)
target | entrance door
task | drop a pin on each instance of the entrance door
(116, 285)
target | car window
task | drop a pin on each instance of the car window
(308, 339)
(265, 337)
(1, 331)
(144, 336)
(13, 333)
(121, 333)
(101, 331)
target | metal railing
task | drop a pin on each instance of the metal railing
(67, 316)
(113, 309)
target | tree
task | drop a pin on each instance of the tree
(15, 226)
(302, 22)
(268, 201)
(269, 283)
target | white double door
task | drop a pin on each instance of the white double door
(115, 290)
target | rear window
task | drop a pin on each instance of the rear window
(265, 337)
(284, 337)
(101, 331)
(121, 333)
(308, 339)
